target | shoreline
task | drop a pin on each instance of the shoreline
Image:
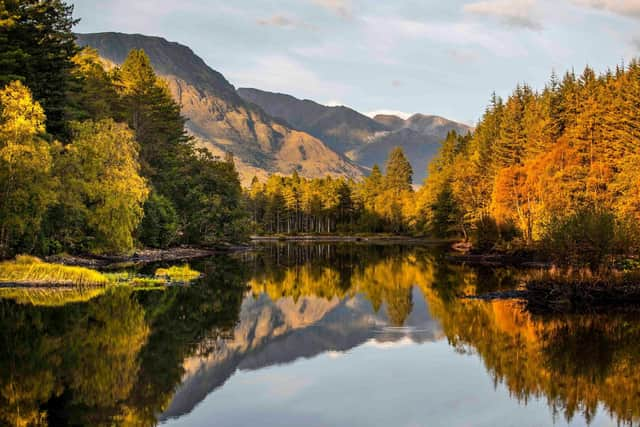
(140, 257)
(384, 238)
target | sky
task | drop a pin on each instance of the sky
(441, 57)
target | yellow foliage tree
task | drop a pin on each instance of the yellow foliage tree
(26, 185)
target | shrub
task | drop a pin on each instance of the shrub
(586, 238)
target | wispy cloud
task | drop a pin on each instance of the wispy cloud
(462, 33)
(286, 22)
(281, 73)
(630, 8)
(513, 13)
(340, 7)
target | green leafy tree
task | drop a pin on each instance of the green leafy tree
(99, 172)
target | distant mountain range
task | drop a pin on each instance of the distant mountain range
(364, 140)
(276, 133)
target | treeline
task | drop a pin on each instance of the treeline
(93, 157)
(379, 203)
(557, 167)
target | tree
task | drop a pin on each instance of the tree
(100, 174)
(36, 47)
(160, 225)
(399, 174)
(26, 184)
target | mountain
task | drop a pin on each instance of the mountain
(341, 128)
(390, 121)
(364, 140)
(220, 119)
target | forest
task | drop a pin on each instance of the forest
(94, 158)
(555, 169)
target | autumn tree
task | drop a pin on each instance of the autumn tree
(26, 184)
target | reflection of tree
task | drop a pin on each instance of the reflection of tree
(114, 360)
(399, 305)
(385, 275)
(91, 348)
(576, 362)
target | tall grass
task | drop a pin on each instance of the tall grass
(28, 270)
(176, 273)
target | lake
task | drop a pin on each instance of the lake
(315, 335)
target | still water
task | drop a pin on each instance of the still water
(315, 335)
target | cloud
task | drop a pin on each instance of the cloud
(463, 34)
(340, 7)
(462, 55)
(283, 21)
(280, 73)
(513, 13)
(630, 8)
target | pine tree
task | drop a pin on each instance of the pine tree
(399, 173)
(36, 47)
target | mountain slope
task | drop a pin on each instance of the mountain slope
(221, 120)
(364, 140)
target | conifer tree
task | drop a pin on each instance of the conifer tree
(36, 47)
(399, 173)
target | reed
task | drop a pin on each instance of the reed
(579, 289)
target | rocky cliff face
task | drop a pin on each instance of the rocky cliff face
(364, 140)
(221, 120)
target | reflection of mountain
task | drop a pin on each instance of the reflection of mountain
(282, 331)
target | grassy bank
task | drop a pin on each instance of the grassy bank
(30, 272)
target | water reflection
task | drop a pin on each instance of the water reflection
(139, 358)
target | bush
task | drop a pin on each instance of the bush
(586, 238)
